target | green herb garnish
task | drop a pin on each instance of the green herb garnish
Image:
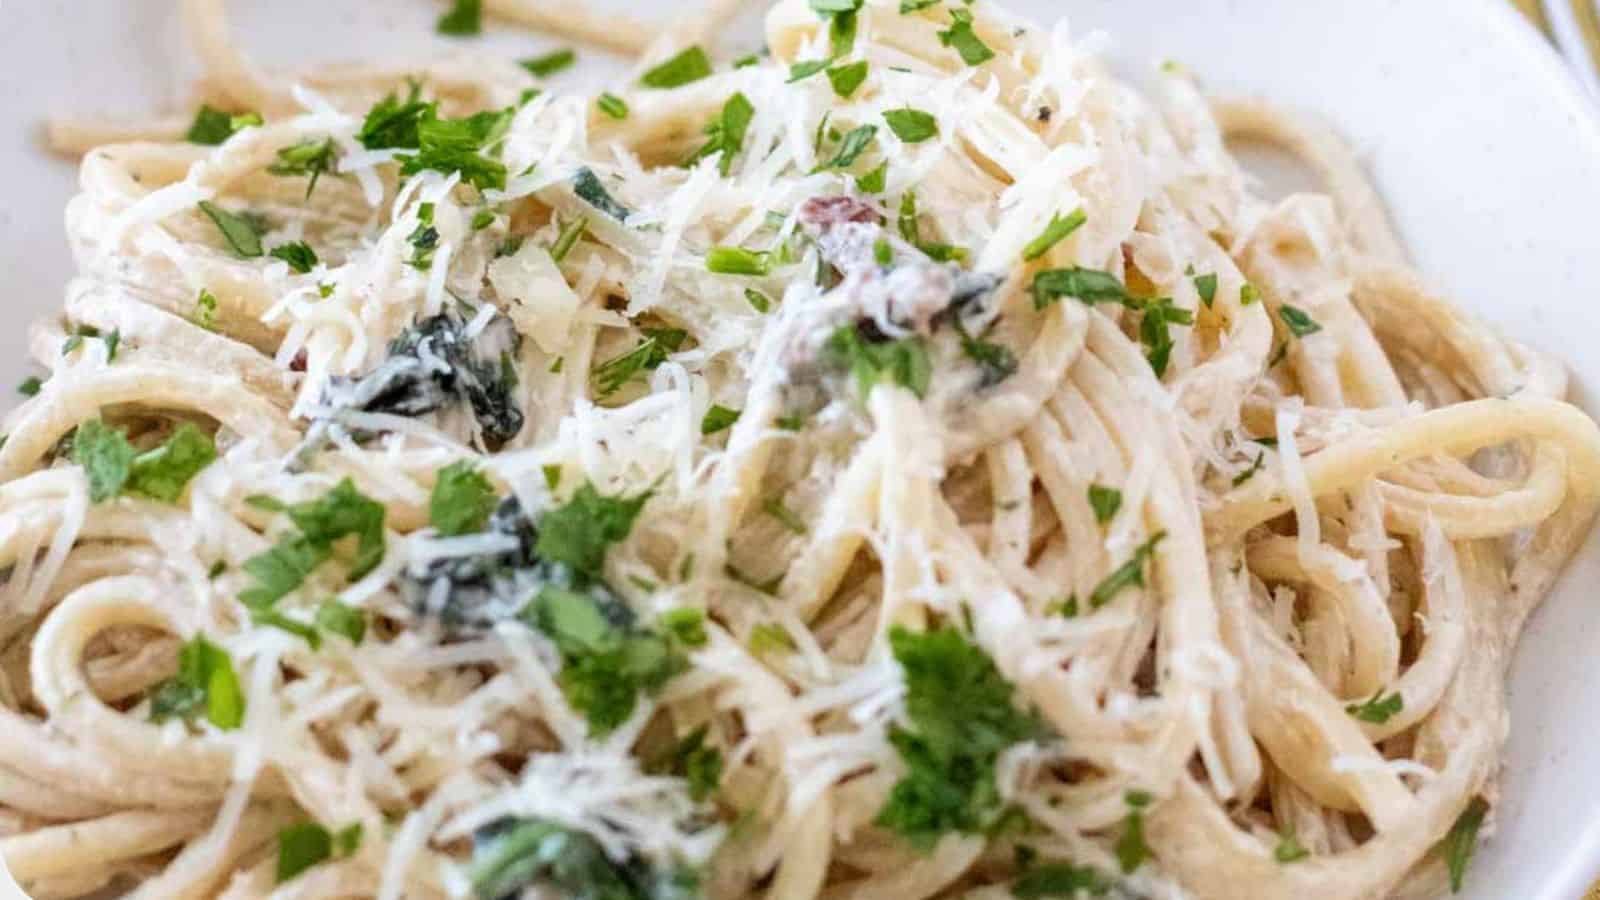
(1054, 233)
(240, 232)
(204, 684)
(911, 125)
(688, 66)
(461, 501)
(550, 63)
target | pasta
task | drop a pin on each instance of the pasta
(913, 465)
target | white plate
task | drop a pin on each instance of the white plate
(1474, 130)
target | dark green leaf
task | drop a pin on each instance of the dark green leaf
(298, 254)
(164, 471)
(612, 105)
(347, 621)
(394, 123)
(310, 157)
(725, 134)
(965, 41)
(106, 458)
(213, 126)
(463, 19)
(1299, 322)
(612, 374)
(453, 145)
(30, 386)
(1105, 502)
(855, 142)
(461, 501)
(717, 418)
(1129, 574)
(1059, 881)
(1054, 233)
(300, 847)
(845, 79)
(550, 63)
(586, 184)
(1377, 710)
(904, 362)
(205, 682)
(803, 70)
(1462, 840)
(579, 532)
(1089, 285)
(1206, 287)
(874, 182)
(911, 125)
(688, 66)
(758, 301)
(238, 231)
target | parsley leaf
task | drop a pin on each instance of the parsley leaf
(342, 512)
(758, 301)
(717, 418)
(1462, 840)
(1054, 233)
(693, 761)
(512, 854)
(568, 238)
(906, 221)
(911, 125)
(336, 618)
(965, 41)
(855, 142)
(961, 718)
(164, 471)
(874, 182)
(1154, 331)
(240, 232)
(30, 386)
(1247, 474)
(1377, 710)
(302, 846)
(205, 310)
(1088, 285)
(773, 506)
(688, 66)
(213, 126)
(464, 19)
(1131, 848)
(1105, 502)
(612, 374)
(995, 361)
(579, 532)
(1206, 286)
(1298, 320)
(725, 134)
(1059, 880)
(845, 79)
(612, 105)
(452, 145)
(298, 254)
(800, 71)
(461, 501)
(1289, 848)
(1129, 574)
(904, 362)
(394, 123)
(310, 157)
(205, 682)
(106, 458)
(738, 261)
(550, 63)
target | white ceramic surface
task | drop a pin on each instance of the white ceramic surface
(1485, 146)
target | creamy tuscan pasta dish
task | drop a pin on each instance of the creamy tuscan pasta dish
(902, 462)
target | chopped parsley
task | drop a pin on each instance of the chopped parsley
(346, 621)
(1131, 848)
(1088, 285)
(1378, 709)
(1299, 322)
(424, 239)
(1462, 840)
(463, 19)
(393, 122)
(607, 659)
(758, 301)
(1105, 502)
(960, 719)
(1155, 333)
(874, 181)
(846, 78)
(1289, 849)
(612, 374)
(1206, 286)
(1247, 474)
(205, 310)
(960, 37)
(996, 362)
(213, 126)
(903, 362)
(725, 134)
(453, 145)
(718, 418)
(240, 232)
(568, 238)
(112, 466)
(461, 500)
(612, 105)
(298, 254)
(550, 63)
(1055, 232)
(30, 386)
(688, 66)
(911, 125)
(693, 761)
(911, 231)
(512, 854)
(342, 512)
(800, 71)
(578, 533)
(302, 846)
(75, 340)
(773, 506)
(1058, 880)
(1248, 294)
(205, 684)
(769, 637)
(855, 142)
(586, 184)
(309, 157)
(1129, 574)
(911, 6)
(686, 624)
(738, 261)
